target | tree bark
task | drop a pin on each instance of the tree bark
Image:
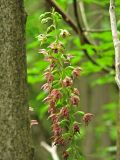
(14, 111)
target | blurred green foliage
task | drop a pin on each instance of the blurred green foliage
(104, 57)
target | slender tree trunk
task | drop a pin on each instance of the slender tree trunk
(14, 113)
(116, 42)
(118, 130)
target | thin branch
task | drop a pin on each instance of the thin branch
(116, 40)
(83, 15)
(84, 39)
(51, 149)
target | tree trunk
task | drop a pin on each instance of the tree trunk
(116, 42)
(14, 111)
(118, 130)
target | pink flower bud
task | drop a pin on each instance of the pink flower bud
(51, 110)
(69, 56)
(76, 72)
(55, 94)
(74, 100)
(49, 77)
(43, 51)
(52, 65)
(59, 140)
(67, 82)
(47, 99)
(76, 128)
(76, 91)
(52, 104)
(87, 118)
(65, 155)
(33, 122)
(46, 87)
(64, 112)
(48, 58)
(56, 46)
(64, 33)
(57, 129)
(54, 118)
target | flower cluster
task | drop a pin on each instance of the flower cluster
(63, 98)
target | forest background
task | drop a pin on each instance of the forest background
(93, 49)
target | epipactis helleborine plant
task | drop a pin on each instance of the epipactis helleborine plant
(62, 97)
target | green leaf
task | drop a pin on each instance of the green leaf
(45, 20)
(81, 113)
(112, 149)
(42, 110)
(118, 25)
(66, 135)
(50, 28)
(43, 15)
(64, 122)
(89, 67)
(33, 44)
(58, 15)
(104, 80)
(40, 96)
(69, 149)
(89, 49)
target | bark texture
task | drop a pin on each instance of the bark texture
(14, 113)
